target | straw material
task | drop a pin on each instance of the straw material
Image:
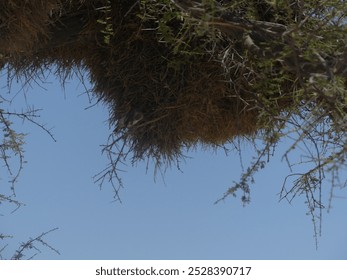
(160, 99)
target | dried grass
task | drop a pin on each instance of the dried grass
(155, 105)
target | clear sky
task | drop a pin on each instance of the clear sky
(172, 217)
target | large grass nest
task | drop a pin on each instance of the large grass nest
(175, 74)
(161, 97)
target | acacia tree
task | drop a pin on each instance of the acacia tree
(177, 74)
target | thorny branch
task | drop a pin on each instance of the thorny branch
(12, 142)
(32, 244)
(12, 155)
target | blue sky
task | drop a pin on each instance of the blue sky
(170, 217)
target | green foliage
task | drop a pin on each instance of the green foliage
(106, 22)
